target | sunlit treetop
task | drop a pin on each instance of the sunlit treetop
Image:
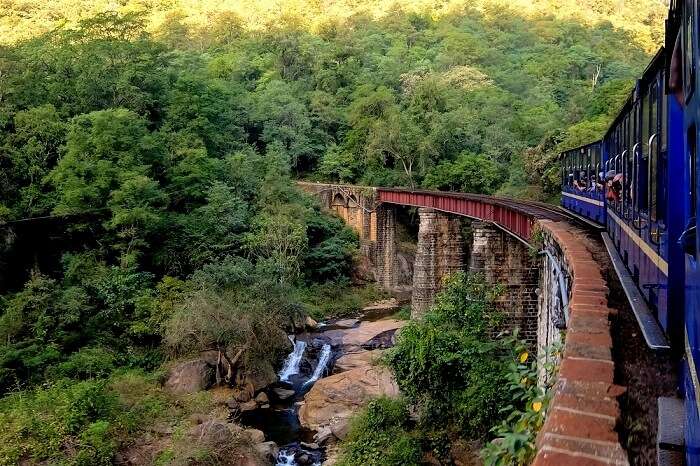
(21, 19)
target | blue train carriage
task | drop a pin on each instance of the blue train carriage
(583, 182)
(637, 201)
(684, 102)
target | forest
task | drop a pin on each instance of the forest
(148, 153)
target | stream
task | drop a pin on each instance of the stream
(312, 357)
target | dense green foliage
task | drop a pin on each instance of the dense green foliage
(449, 365)
(382, 435)
(530, 381)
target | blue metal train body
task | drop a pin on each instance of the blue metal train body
(640, 183)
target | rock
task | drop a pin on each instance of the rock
(268, 451)
(233, 405)
(243, 395)
(383, 340)
(360, 359)
(256, 436)
(303, 459)
(260, 380)
(346, 323)
(323, 435)
(265, 406)
(311, 323)
(262, 398)
(248, 406)
(309, 446)
(334, 399)
(190, 377)
(391, 304)
(340, 429)
(283, 393)
(210, 432)
(353, 338)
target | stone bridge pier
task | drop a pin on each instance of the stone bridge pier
(440, 252)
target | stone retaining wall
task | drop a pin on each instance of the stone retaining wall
(584, 412)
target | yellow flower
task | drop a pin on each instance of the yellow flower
(536, 406)
(523, 357)
(523, 381)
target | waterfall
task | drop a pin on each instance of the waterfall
(322, 363)
(291, 364)
(285, 458)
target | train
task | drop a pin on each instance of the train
(639, 185)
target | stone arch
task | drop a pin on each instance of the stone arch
(339, 200)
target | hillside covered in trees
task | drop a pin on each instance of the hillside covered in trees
(148, 150)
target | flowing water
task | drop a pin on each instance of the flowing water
(281, 422)
(291, 364)
(321, 366)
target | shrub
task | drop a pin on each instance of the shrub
(448, 365)
(515, 436)
(381, 436)
(87, 363)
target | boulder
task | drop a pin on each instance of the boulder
(334, 399)
(283, 393)
(359, 359)
(391, 304)
(248, 406)
(262, 398)
(259, 380)
(353, 338)
(309, 446)
(340, 429)
(323, 435)
(190, 377)
(210, 432)
(268, 451)
(311, 323)
(346, 323)
(243, 395)
(256, 436)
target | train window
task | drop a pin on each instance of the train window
(689, 46)
(648, 134)
(627, 169)
(657, 158)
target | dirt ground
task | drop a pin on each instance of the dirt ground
(647, 375)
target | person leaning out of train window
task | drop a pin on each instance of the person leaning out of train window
(579, 185)
(599, 183)
(613, 183)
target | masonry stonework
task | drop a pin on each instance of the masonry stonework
(440, 252)
(505, 261)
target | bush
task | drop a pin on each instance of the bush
(43, 424)
(515, 436)
(87, 363)
(97, 446)
(381, 436)
(449, 366)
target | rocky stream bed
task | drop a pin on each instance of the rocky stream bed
(326, 378)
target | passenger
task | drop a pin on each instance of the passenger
(615, 188)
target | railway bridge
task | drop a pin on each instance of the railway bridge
(553, 287)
